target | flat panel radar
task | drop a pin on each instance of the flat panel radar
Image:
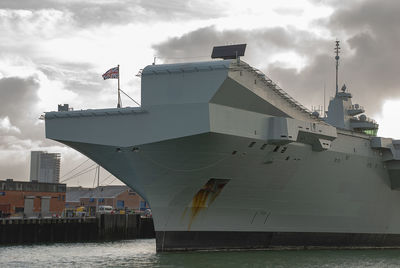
(228, 52)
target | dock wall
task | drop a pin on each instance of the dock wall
(102, 228)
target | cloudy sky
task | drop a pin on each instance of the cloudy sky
(54, 51)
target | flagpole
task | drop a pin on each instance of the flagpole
(119, 94)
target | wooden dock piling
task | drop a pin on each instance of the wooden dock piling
(106, 227)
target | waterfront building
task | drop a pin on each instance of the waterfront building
(120, 197)
(45, 167)
(31, 199)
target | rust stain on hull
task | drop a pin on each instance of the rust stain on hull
(205, 197)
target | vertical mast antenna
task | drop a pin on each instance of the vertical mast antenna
(337, 50)
(119, 104)
(324, 99)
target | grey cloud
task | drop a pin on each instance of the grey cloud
(374, 39)
(197, 43)
(122, 11)
(366, 14)
(369, 61)
(77, 77)
(19, 102)
(16, 171)
(18, 96)
(259, 42)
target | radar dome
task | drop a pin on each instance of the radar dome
(363, 117)
(316, 114)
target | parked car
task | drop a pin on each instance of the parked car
(105, 210)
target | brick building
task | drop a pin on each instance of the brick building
(119, 197)
(23, 198)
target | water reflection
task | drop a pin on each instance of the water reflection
(141, 253)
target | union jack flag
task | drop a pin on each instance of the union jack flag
(113, 73)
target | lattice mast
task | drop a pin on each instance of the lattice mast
(337, 50)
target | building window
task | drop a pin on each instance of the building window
(19, 209)
(143, 205)
(120, 204)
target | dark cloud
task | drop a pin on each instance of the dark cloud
(19, 103)
(369, 75)
(261, 43)
(307, 85)
(22, 131)
(18, 97)
(369, 61)
(121, 11)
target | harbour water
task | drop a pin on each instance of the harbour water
(141, 253)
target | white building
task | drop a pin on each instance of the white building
(45, 167)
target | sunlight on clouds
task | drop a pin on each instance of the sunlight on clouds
(388, 119)
(254, 14)
(288, 59)
(35, 25)
(14, 150)
(17, 66)
(51, 92)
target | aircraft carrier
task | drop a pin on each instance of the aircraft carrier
(228, 160)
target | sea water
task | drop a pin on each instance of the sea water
(142, 253)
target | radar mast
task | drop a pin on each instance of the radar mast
(337, 50)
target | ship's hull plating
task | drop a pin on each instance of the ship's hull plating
(228, 240)
(204, 151)
(215, 191)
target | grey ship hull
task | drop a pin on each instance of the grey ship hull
(219, 176)
(307, 200)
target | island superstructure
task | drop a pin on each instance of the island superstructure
(228, 160)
